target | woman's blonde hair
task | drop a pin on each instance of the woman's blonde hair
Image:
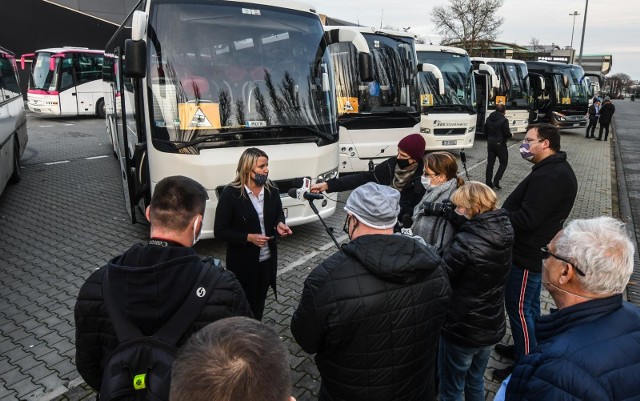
(246, 163)
(475, 197)
(443, 163)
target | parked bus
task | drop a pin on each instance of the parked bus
(449, 119)
(374, 116)
(563, 99)
(512, 91)
(192, 84)
(13, 120)
(66, 81)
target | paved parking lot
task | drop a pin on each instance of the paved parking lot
(67, 217)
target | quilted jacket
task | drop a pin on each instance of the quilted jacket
(588, 352)
(372, 315)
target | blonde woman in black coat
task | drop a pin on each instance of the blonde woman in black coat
(249, 216)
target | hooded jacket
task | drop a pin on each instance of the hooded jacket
(478, 262)
(372, 315)
(151, 282)
(383, 174)
(538, 208)
(587, 352)
(606, 112)
(497, 129)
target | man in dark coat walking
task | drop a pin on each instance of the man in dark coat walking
(537, 209)
(150, 281)
(606, 115)
(497, 130)
(372, 313)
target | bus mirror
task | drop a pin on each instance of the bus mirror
(495, 81)
(135, 62)
(24, 57)
(52, 60)
(138, 25)
(426, 67)
(365, 64)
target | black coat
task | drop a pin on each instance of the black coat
(496, 128)
(372, 315)
(152, 282)
(539, 206)
(236, 218)
(606, 112)
(478, 262)
(383, 174)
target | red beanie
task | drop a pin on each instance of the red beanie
(413, 145)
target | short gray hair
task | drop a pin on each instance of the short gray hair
(602, 249)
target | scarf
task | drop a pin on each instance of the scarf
(401, 177)
(431, 228)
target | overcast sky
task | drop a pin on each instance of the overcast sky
(613, 26)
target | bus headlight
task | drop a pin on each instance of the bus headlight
(425, 130)
(327, 176)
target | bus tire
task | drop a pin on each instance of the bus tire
(15, 176)
(100, 108)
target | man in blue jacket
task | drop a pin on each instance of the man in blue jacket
(589, 349)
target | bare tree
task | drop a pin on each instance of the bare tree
(535, 45)
(469, 23)
(617, 83)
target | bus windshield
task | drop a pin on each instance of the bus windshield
(513, 84)
(393, 87)
(578, 91)
(42, 77)
(223, 75)
(459, 86)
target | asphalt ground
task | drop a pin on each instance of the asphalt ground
(67, 218)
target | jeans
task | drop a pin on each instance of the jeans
(522, 301)
(461, 369)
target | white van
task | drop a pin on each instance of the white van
(13, 120)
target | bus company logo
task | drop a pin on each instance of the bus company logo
(454, 124)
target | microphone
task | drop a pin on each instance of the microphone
(303, 194)
(407, 222)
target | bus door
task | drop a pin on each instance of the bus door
(67, 85)
(482, 99)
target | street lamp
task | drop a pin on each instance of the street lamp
(584, 25)
(574, 14)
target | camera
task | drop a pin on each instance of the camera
(438, 209)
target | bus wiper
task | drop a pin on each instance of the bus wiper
(207, 138)
(317, 132)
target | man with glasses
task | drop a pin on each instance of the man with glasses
(537, 208)
(373, 311)
(589, 349)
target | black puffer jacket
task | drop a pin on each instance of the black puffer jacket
(478, 262)
(152, 282)
(372, 315)
(383, 174)
(496, 128)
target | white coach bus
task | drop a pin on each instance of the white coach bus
(65, 81)
(13, 120)
(192, 84)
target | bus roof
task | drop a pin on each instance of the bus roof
(548, 66)
(69, 49)
(438, 48)
(366, 29)
(497, 60)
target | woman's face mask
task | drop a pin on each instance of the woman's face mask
(260, 179)
(525, 152)
(426, 181)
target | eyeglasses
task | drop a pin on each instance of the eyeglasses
(345, 228)
(529, 140)
(544, 252)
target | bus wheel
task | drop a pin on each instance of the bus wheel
(15, 176)
(100, 108)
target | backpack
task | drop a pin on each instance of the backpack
(139, 368)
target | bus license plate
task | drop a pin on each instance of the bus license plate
(576, 125)
(513, 129)
(449, 143)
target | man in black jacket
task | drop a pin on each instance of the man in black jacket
(150, 281)
(606, 115)
(372, 313)
(401, 172)
(537, 208)
(497, 130)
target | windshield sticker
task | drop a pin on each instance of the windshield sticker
(426, 100)
(566, 100)
(501, 100)
(250, 11)
(347, 104)
(250, 124)
(199, 116)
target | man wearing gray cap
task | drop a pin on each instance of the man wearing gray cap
(373, 311)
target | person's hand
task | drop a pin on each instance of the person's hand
(283, 230)
(320, 187)
(258, 240)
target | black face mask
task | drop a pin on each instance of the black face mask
(403, 163)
